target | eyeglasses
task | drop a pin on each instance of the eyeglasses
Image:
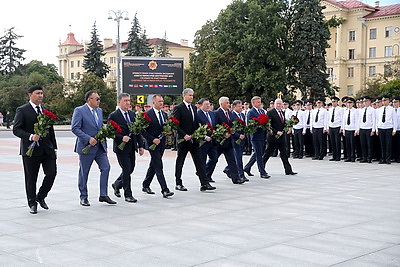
(97, 99)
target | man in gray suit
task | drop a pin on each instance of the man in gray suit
(87, 121)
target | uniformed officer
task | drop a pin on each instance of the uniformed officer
(367, 123)
(334, 123)
(349, 126)
(319, 126)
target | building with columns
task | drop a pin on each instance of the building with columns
(71, 56)
(364, 45)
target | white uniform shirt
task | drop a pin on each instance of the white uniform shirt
(301, 116)
(337, 120)
(370, 118)
(319, 118)
(390, 118)
(350, 120)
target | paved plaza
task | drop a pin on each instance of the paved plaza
(330, 214)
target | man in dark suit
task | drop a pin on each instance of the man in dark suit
(186, 114)
(87, 121)
(257, 140)
(153, 135)
(43, 154)
(126, 157)
(223, 115)
(276, 139)
(209, 148)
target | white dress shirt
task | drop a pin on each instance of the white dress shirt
(370, 119)
(337, 122)
(322, 120)
(354, 120)
(390, 118)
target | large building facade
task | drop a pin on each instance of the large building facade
(364, 45)
(71, 56)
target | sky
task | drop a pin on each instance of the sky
(45, 23)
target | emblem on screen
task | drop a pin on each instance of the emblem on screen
(153, 65)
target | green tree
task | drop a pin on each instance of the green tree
(162, 48)
(10, 55)
(137, 41)
(310, 35)
(391, 88)
(92, 60)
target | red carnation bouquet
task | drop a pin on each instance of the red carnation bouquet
(142, 121)
(253, 124)
(108, 131)
(45, 121)
(238, 126)
(220, 132)
(170, 127)
(289, 125)
(200, 133)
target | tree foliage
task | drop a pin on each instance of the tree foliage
(10, 55)
(162, 48)
(137, 41)
(92, 60)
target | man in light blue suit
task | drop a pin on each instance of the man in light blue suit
(87, 121)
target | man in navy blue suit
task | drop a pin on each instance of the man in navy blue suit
(87, 121)
(153, 135)
(257, 140)
(223, 115)
(209, 148)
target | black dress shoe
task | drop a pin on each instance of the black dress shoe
(211, 181)
(332, 160)
(248, 173)
(33, 209)
(207, 187)
(227, 174)
(180, 188)
(85, 202)
(363, 161)
(148, 190)
(291, 173)
(315, 158)
(265, 176)
(244, 179)
(167, 194)
(107, 199)
(347, 160)
(131, 199)
(116, 191)
(239, 181)
(300, 157)
(42, 204)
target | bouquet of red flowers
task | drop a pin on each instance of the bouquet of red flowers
(289, 125)
(220, 132)
(253, 124)
(200, 133)
(141, 122)
(45, 121)
(170, 127)
(109, 131)
(238, 126)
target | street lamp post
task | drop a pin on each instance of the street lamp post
(117, 16)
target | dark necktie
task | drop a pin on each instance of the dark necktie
(281, 116)
(227, 116)
(208, 118)
(191, 111)
(297, 113)
(38, 110)
(333, 115)
(384, 115)
(348, 118)
(309, 116)
(316, 117)
(365, 115)
(160, 118)
(127, 117)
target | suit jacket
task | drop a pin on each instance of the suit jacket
(84, 126)
(187, 124)
(203, 119)
(136, 140)
(276, 125)
(25, 118)
(155, 129)
(221, 118)
(237, 134)
(259, 134)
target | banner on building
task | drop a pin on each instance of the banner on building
(147, 76)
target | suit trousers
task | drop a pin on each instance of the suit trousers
(156, 168)
(194, 150)
(308, 143)
(31, 170)
(336, 148)
(350, 145)
(396, 146)
(385, 137)
(230, 158)
(127, 163)
(209, 149)
(281, 145)
(298, 141)
(85, 162)
(366, 144)
(318, 142)
(259, 148)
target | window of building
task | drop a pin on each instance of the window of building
(388, 51)
(351, 54)
(106, 60)
(387, 70)
(372, 71)
(352, 36)
(372, 52)
(350, 89)
(112, 60)
(72, 64)
(388, 31)
(372, 33)
(78, 63)
(72, 75)
(350, 72)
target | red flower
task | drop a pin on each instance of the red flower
(174, 120)
(210, 127)
(227, 127)
(241, 121)
(50, 114)
(116, 126)
(147, 118)
(263, 119)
